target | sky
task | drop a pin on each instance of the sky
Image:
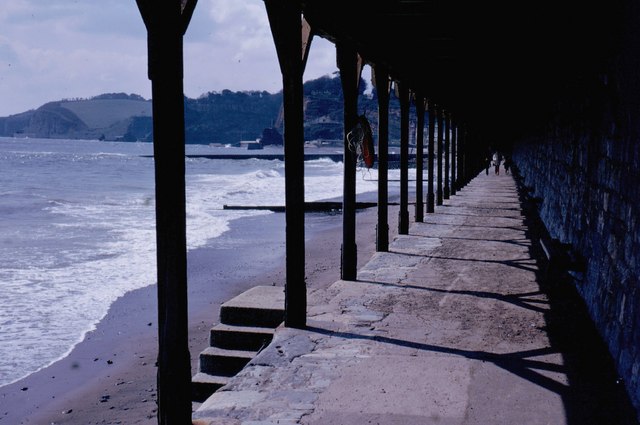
(63, 49)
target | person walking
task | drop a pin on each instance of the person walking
(496, 162)
(487, 162)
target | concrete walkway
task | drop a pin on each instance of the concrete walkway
(452, 326)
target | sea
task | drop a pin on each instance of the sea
(77, 229)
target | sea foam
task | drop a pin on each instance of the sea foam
(78, 231)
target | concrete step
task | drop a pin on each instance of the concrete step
(232, 337)
(260, 306)
(247, 324)
(203, 385)
(222, 362)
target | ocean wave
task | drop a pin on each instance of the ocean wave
(87, 233)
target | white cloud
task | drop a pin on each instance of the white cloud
(81, 48)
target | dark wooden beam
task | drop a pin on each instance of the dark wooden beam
(403, 215)
(462, 176)
(447, 141)
(350, 66)
(440, 143)
(382, 83)
(432, 124)
(165, 25)
(454, 157)
(420, 103)
(144, 6)
(188, 7)
(307, 38)
(287, 30)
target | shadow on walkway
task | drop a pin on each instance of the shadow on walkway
(457, 324)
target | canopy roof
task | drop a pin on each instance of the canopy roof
(481, 60)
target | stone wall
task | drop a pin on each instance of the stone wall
(584, 165)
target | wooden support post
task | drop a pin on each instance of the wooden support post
(403, 215)
(292, 38)
(440, 148)
(382, 83)
(420, 107)
(350, 66)
(454, 158)
(432, 125)
(462, 175)
(447, 142)
(166, 23)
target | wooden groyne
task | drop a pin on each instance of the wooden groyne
(320, 206)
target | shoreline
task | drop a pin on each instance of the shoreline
(110, 377)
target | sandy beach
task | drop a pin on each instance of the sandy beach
(110, 377)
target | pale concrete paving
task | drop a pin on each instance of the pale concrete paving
(451, 326)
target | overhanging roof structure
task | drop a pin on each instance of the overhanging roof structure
(487, 62)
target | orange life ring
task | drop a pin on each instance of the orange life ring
(368, 152)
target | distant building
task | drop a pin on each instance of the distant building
(251, 144)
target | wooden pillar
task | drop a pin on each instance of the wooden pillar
(350, 66)
(440, 148)
(166, 23)
(403, 215)
(382, 84)
(454, 158)
(432, 124)
(292, 38)
(420, 107)
(462, 176)
(447, 142)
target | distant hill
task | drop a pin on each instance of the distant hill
(104, 112)
(108, 117)
(216, 117)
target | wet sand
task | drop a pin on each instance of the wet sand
(110, 377)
